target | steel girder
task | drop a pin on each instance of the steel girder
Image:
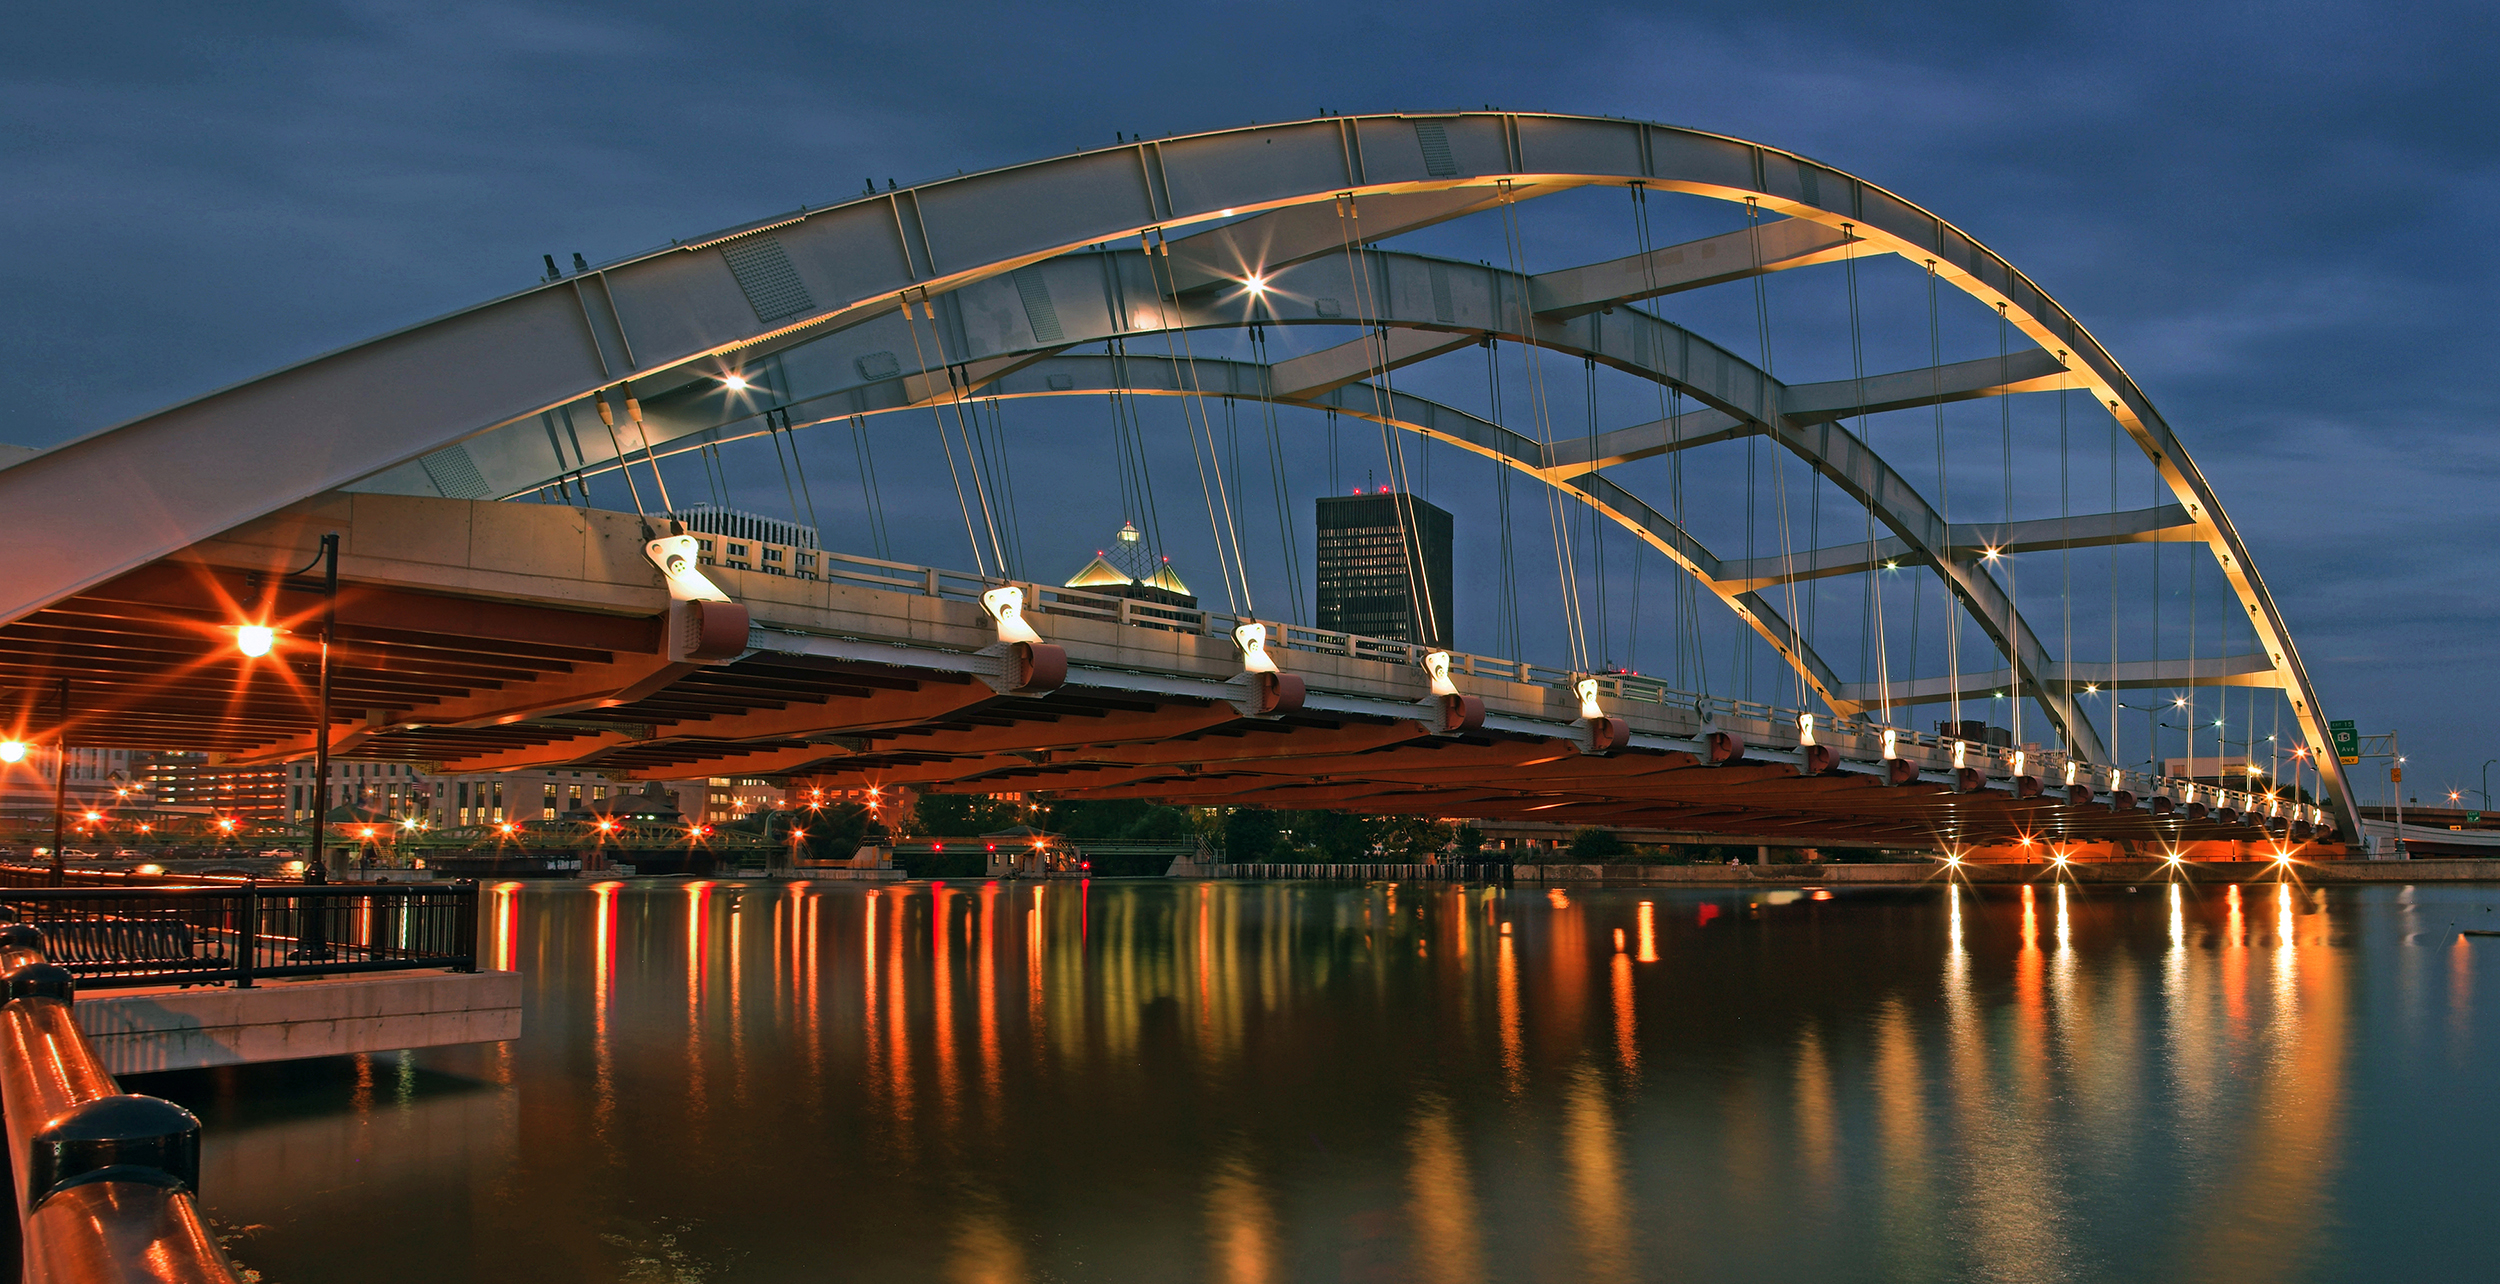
(185, 473)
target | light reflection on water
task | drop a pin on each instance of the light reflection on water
(1269, 1082)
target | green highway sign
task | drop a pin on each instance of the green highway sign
(2347, 741)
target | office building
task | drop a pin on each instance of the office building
(1384, 567)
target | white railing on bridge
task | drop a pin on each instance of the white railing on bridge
(1283, 637)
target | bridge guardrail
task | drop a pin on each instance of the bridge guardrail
(1049, 599)
(117, 937)
(106, 1181)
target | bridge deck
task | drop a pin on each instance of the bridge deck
(479, 636)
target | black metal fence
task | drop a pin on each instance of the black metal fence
(111, 937)
(1362, 872)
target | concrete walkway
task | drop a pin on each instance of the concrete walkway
(1837, 875)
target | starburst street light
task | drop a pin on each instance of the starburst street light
(254, 639)
(12, 751)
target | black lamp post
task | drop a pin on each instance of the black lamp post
(255, 640)
(317, 869)
(60, 790)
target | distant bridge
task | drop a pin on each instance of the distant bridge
(484, 635)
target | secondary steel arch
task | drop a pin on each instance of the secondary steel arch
(209, 464)
(858, 371)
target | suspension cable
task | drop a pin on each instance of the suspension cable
(2013, 615)
(1788, 547)
(1944, 512)
(871, 495)
(1277, 483)
(1220, 521)
(1507, 605)
(1514, 236)
(938, 419)
(1874, 590)
(1372, 315)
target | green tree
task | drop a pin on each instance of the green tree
(961, 815)
(1252, 834)
(826, 833)
(1470, 842)
(1595, 846)
(1414, 838)
(1342, 836)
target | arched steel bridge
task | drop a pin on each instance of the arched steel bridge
(1021, 282)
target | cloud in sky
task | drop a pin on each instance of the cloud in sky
(2270, 213)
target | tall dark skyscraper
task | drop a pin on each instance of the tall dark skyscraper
(1384, 561)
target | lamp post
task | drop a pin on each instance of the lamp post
(60, 789)
(2486, 790)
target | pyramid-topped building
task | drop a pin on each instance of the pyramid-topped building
(1126, 569)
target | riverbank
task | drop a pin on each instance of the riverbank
(1834, 874)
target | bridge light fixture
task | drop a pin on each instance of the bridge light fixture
(735, 382)
(2178, 702)
(254, 639)
(1992, 554)
(2091, 688)
(1891, 564)
(1256, 284)
(412, 824)
(12, 751)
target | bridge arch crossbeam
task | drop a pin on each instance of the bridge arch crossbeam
(1094, 376)
(1744, 399)
(1458, 303)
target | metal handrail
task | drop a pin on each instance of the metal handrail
(1051, 599)
(265, 930)
(106, 1180)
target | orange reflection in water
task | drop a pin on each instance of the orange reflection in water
(1441, 1213)
(942, 993)
(602, 1004)
(1627, 1020)
(1506, 1011)
(1649, 932)
(1600, 1206)
(1242, 1238)
(987, 992)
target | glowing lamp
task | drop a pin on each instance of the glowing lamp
(94, 816)
(734, 383)
(1257, 284)
(226, 823)
(254, 639)
(12, 751)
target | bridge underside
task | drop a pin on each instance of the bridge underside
(477, 637)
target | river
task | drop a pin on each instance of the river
(1137, 1080)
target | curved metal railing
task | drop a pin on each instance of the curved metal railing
(106, 1181)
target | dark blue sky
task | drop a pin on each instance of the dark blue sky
(2268, 212)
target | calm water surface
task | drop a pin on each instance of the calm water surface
(1278, 1081)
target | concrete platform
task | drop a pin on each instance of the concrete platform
(1837, 874)
(168, 1028)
